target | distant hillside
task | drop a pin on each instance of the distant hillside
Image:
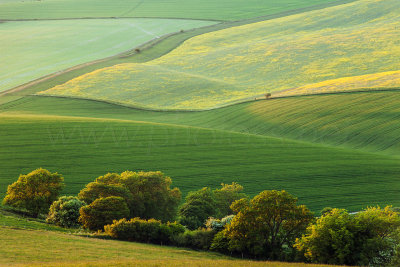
(244, 62)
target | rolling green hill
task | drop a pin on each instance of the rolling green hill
(71, 140)
(244, 62)
(195, 9)
(32, 49)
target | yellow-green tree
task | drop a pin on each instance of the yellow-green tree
(34, 191)
(368, 238)
(267, 224)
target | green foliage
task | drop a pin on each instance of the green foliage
(199, 205)
(35, 191)
(148, 194)
(226, 195)
(103, 211)
(148, 231)
(64, 212)
(196, 239)
(367, 238)
(218, 225)
(267, 224)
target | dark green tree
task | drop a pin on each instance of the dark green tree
(199, 205)
(147, 194)
(35, 191)
(103, 211)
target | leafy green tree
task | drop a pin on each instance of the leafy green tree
(64, 212)
(148, 194)
(35, 191)
(103, 211)
(367, 238)
(267, 224)
(199, 205)
(225, 196)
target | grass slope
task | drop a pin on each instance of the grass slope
(32, 49)
(195, 9)
(83, 148)
(57, 249)
(243, 62)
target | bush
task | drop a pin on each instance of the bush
(64, 212)
(197, 239)
(368, 238)
(35, 191)
(148, 194)
(148, 231)
(220, 243)
(103, 211)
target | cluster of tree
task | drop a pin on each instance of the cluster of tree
(272, 225)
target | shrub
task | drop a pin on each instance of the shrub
(35, 191)
(148, 194)
(197, 239)
(103, 211)
(368, 238)
(218, 225)
(148, 231)
(64, 212)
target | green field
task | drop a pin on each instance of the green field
(207, 148)
(195, 9)
(32, 49)
(244, 62)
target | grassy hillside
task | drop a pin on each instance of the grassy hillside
(83, 148)
(196, 9)
(72, 250)
(32, 49)
(243, 62)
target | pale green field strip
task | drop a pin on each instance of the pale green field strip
(83, 148)
(46, 248)
(194, 9)
(240, 63)
(30, 50)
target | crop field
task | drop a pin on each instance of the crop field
(32, 49)
(195, 9)
(244, 62)
(366, 121)
(120, 139)
(376, 81)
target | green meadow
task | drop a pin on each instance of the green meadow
(244, 62)
(194, 9)
(74, 250)
(32, 49)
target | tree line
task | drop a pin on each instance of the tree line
(142, 207)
